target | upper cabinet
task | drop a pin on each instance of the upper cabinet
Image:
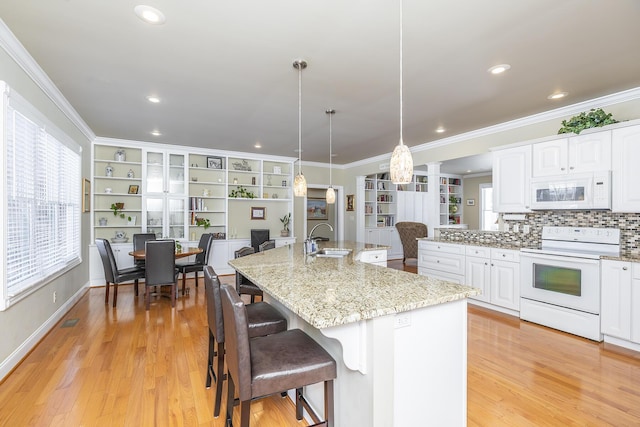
(625, 171)
(512, 179)
(583, 153)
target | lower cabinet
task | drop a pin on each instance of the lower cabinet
(385, 236)
(444, 261)
(373, 257)
(620, 303)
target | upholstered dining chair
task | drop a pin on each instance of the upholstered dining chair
(201, 260)
(160, 269)
(245, 286)
(262, 318)
(274, 363)
(410, 231)
(114, 275)
(265, 246)
(139, 239)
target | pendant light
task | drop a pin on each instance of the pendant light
(401, 165)
(299, 182)
(331, 194)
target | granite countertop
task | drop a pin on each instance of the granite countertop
(328, 292)
(500, 245)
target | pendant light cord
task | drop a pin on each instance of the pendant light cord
(300, 119)
(401, 142)
(330, 143)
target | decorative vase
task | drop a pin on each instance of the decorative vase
(120, 155)
(108, 170)
(130, 174)
(102, 221)
(284, 233)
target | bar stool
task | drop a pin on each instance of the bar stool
(244, 285)
(266, 365)
(263, 320)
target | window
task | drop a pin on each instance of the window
(488, 217)
(42, 199)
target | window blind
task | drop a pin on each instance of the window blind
(42, 199)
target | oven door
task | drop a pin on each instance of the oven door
(564, 281)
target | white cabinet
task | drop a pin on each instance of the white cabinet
(615, 313)
(373, 257)
(121, 254)
(444, 261)
(496, 272)
(512, 179)
(625, 170)
(583, 153)
(380, 201)
(450, 188)
(387, 236)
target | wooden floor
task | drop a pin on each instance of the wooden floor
(125, 366)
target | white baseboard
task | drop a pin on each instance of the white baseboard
(7, 365)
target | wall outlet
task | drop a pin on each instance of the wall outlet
(516, 228)
(403, 320)
(55, 296)
(505, 227)
(526, 228)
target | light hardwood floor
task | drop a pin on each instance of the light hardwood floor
(125, 366)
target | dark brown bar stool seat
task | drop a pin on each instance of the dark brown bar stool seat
(245, 286)
(263, 320)
(266, 365)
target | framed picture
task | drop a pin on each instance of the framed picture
(214, 162)
(133, 189)
(350, 202)
(471, 202)
(86, 195)
(258, 213)
(317, 209)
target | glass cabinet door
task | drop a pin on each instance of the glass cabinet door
(155, 172)
(155, 216)
(177, 215)
(176, 174)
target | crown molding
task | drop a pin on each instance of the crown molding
(15, 49)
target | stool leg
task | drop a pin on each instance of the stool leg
(219, 380)
(230, 400)
(210, 361)
(245, 412)
(299, 406)
(328, 403)
(184, 282)
(106, 293)
(115, 294)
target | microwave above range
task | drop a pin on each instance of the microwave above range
(574, 191)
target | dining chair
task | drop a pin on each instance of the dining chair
(114, 275)
(263, 320)
(409, 231)
(265, 246)
(201, 260)
(262, 366)
(139, 240)
(160, 268)
(245, 286)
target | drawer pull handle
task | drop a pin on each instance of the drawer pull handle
(624, 268)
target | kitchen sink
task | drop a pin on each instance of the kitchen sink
(332, 253)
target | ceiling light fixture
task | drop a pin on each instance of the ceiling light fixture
(257, 145)
(299, 182)
(331, 193)
(557, 95)
(440, 130)
(153, 99)
(156, 133)
(401, 165)
(499, 69)
(149, 14)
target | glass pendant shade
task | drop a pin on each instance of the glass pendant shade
(331, 195)
(299, 185)
(401, 165)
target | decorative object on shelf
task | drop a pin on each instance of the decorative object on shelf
(277, 170)
(131, 220)
(102, 222)
(268, 179)
(203, 222)
(133, 189)
(285, 220)
(242, 166)
(274, 196)
(120, 155)
(206, 192)
(235, 180)
(401, 164)
(253, 180)
(317, 209)
(108, 170)
(131, 174)
(258, 213)
(194, 178)
(242, 193)
(284, 182)
(299, 182)
(117, 210)
(178, 247)
(108, 190)
(214, 162)
(119, 234)
(331, 193)
(594, 118)
(350, 202)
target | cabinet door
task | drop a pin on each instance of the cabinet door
(372, 236)
(478, 275)
(635, 308)
(550, 157)
(588, 153)
(505, 284)
(615, 313)
(511, 179)
(395, 243)
(625, 170)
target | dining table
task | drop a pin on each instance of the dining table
(185, 252)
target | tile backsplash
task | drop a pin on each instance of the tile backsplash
(628, 223)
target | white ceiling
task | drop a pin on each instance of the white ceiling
(224, 69)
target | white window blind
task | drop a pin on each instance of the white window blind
(42, 199)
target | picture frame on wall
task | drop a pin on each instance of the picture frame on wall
(86, 195)
(258, 213)
(133, 189)
(214, 162)
(350, 202)
(317, 209)
(471, 202)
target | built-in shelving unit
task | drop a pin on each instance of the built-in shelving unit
(450, 200)
(380, 201)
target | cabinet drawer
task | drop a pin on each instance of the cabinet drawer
(478, 251)
(505, 255)
(451, 264)
(449, 248)
(449, 277)
(373, 256)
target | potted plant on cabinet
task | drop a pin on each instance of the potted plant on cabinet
(285, 220)
(117, 210)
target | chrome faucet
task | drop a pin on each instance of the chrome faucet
(310, 244)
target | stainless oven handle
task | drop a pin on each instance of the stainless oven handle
(557, 258)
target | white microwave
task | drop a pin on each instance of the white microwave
(572, 191)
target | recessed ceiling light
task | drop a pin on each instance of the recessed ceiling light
(257, 145)
(557, 95)
(149, 14)
(156, 133)
(440, 129)
(153, 99)
(499, 69)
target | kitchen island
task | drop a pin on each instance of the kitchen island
(400, 339)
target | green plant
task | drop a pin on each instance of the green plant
(242, 192)
(594, 118)
(203, 222)
(285, 220)
(117, 210)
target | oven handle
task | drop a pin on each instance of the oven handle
(558, 257)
